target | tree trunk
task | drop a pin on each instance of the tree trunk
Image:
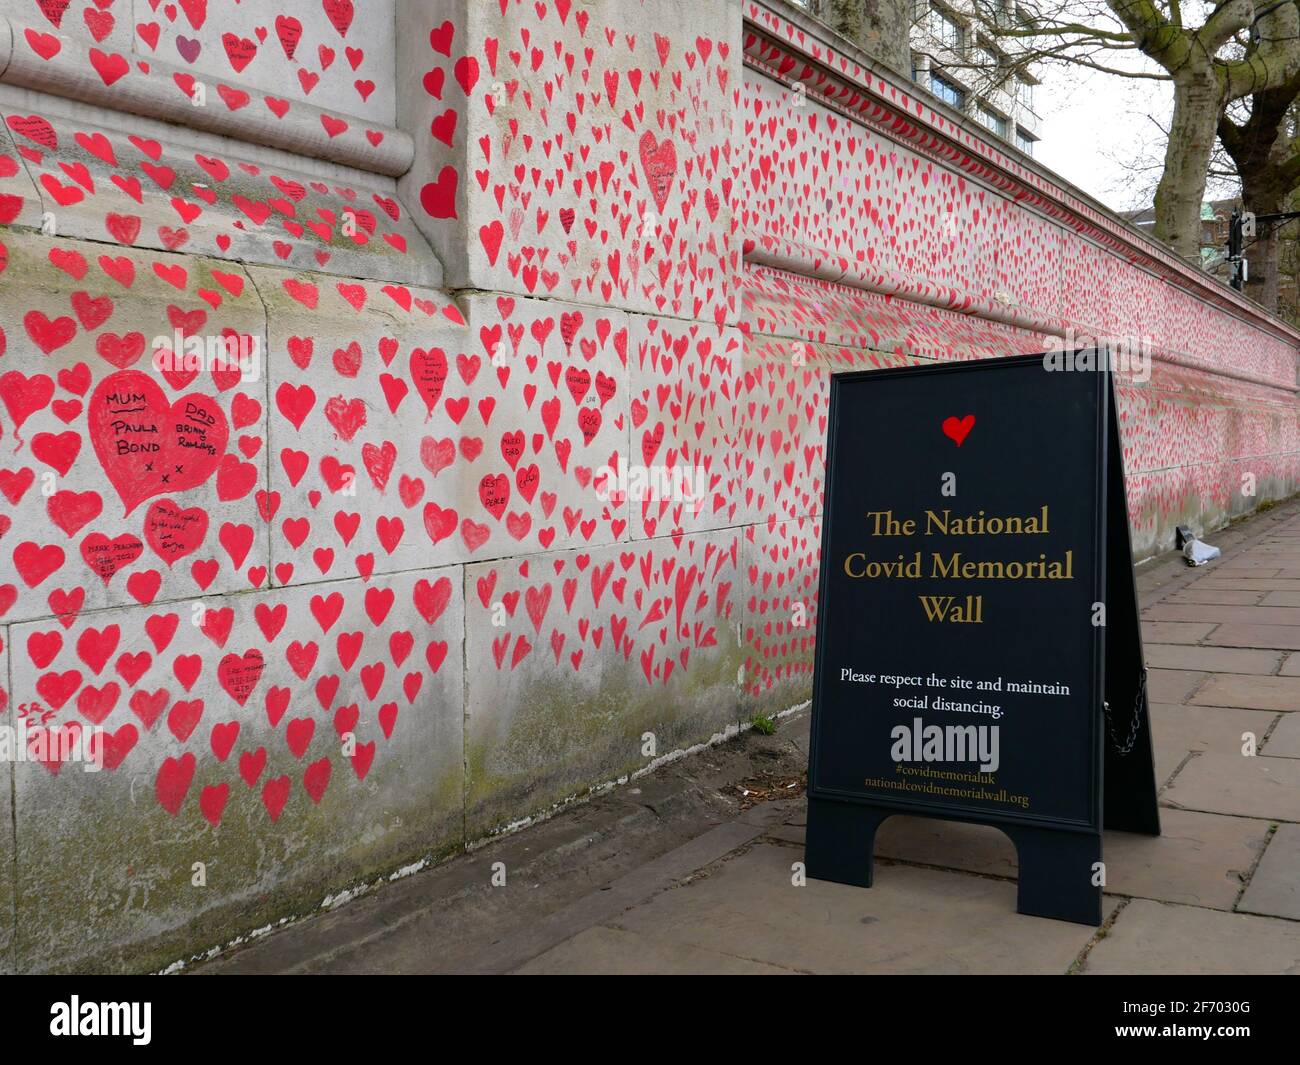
(1262, 282)
(1261, 150)
(1198, 102)
(881, 28)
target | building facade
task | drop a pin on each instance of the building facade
(978, 73)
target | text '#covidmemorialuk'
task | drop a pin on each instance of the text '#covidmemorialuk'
(954, 564)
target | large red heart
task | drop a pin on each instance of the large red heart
(149, 447)
(957, 429)
(659, 161)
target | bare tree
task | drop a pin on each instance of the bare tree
(1240, 48)
(1264, 147)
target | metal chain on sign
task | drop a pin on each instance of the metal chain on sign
(1127, 745)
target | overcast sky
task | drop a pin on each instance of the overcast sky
(1096, 126)
(1098, 133)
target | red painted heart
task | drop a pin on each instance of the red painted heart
(957, 429)
(149, 447)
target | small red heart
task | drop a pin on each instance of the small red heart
(957, 429)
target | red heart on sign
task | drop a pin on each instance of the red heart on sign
(957, 429)
(149, 447)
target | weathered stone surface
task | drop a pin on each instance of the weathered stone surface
(615, 951)
(1235, 597)
(1198, 859)
(782, 432)
(1161, 938)
(1284, 740)
(649, 226)
(1253, 584)
(89, 25)
(1180, 729)
(20, 199)
(98, 183)
(1275, 887)
(1263, 693)
(1197, 612)
(343, 61)
(587, 665)
(1240, 634)
(361, 376)
(239, 759)
(1175, 631)
(110, 504)
(951, 923)
(1172, 685)
(780, 594)
(1211, 659)
(1234, 784)
(686, 382)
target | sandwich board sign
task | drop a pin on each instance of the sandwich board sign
(978, 651)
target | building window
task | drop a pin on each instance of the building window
(944, 28)
(1025, 142)
(947, 91)
(1025, 93)
(992, 120)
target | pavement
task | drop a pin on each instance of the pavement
(693, 868)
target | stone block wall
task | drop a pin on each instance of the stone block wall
(338, 612)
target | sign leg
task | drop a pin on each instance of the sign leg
(840, 840)
(1060, 873)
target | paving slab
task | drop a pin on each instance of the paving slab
(1199, 858)
(1284, 740)
(1212, 659)
(1204, 612)
(1172, 685)
(1176, 631)
(1240, 634)
(616, 952)
(1275, 888)
(1271, 598)
(1162, 938)
(912, 920)
(1235, 784)
(1233, 583)
(1235, 597)
(1260, 693)
(1291, 667)
(1180, 729)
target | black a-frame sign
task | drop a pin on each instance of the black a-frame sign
(979, 656)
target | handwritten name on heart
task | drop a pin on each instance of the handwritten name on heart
(150, 447)
(659, 161)
(957, 429)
